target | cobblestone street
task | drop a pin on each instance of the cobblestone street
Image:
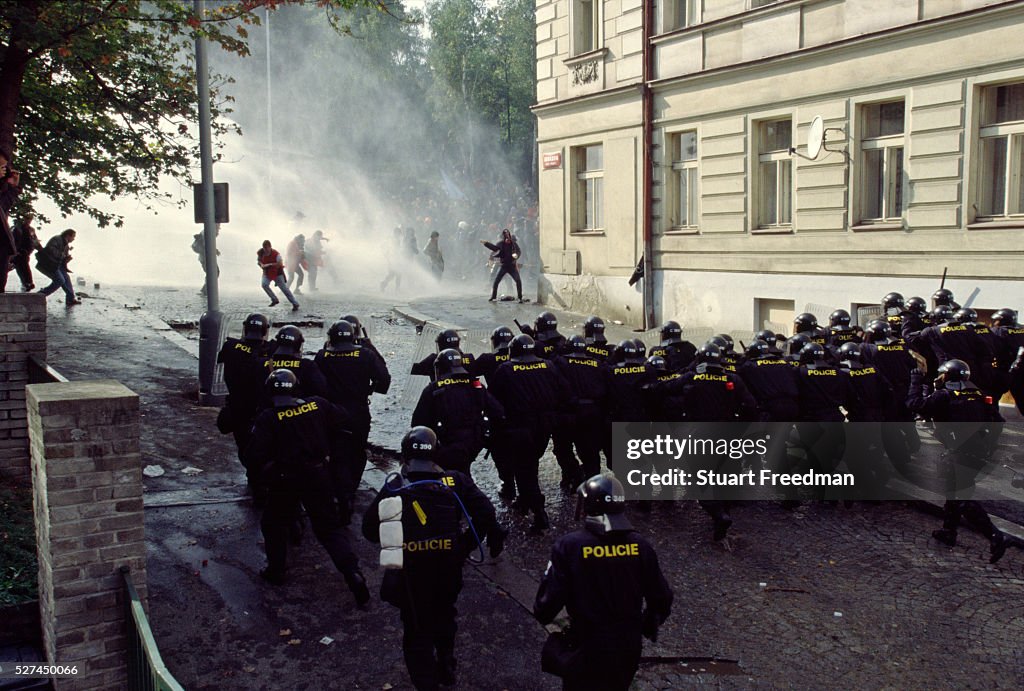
(818, 597)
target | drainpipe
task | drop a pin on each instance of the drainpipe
(647, 142)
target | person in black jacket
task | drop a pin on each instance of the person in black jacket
(426, 582)
(244, 363)
(27, 242)
(507, 253)
(967, 427)
(603, 575)
(589, 387)
(352, 373)
(460, 409)
(291, 442)
(9, 192)
(286, 353)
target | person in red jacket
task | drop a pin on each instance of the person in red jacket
(272, 264)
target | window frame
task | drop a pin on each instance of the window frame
(677, 167)
(578, 47)
(1012, 132)
(758, 223)
(581, 203)
(894, 176)
(670, 20)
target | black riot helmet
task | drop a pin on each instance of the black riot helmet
(626, 352)
(850, 352)
(720, 342)
(447, 363)
(726, 339)
(255, 327)
(578, 345)
(878, 331)
(521, 347)
(965, 315)
(943, 296)
(839, 319)
(282, 387)
(767, 335)
(709, 354)
(657, 363)
(804, 322)
(917, 305)
(501, 337)
(341, 337)
(1004, 317)
(942, 314)
(757, 349)
(357, 326)
(811, 353)
(603, 500)
(796, 343)
(593, 330)
(449, 338)
(954, 374)
(545, 323)
(419, 447)
(893, 301)
(288, 341)
(671, 333)
(641, 349)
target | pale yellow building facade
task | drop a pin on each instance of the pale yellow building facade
(922, 167)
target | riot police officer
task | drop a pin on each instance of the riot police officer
(678, 353)
(244, 370)
(607, 578)
(944, 297)
(449, 338)
(534, 396)
(954, 403)
(840, 331)
(290, 444)
(890, 355)
(597, 344)
(427, 505)
(589, 388)
(353, 372)
(915, 317)
(460, 409)
(893, 309)
(549, 342)
(486, 364)
(287, 354)
(772, 339)
(627, 374)
(1010, 352)
(807, 323)
(772, 381)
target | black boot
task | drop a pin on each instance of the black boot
(540, 522)
(945, 536)
(723, 522)
(997, 547)
(446, 666)
(357, 584)
(273, 576)
(507, 491)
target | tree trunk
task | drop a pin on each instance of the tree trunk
(12, 71)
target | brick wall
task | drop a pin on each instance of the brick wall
(87, 485)
(22, 333)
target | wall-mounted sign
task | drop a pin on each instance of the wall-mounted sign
(552, 160)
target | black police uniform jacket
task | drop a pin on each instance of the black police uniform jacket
(487, 364)
(872, 394)
(967, 404)
(601, 350)
(588, 384)
(311, 379)
(455, 408)
(291, 441)
(244, 373)
(351, 376)
(823, 389)
(603, 580)
(627, 400)
(532, 392)
(710, 394)
(894, 361)
(434, 544)
(425, 367)
(773, 383)
(678, 356)
(550, 344)
(960, 341)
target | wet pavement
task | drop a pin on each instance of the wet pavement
(821, 596)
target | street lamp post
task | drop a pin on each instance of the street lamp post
(210, 322)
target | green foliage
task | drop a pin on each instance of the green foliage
(98, 96)
(18, 569)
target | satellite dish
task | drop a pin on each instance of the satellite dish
(815, 137)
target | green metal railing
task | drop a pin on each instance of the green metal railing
(146, 670)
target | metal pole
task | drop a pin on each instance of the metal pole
(209, 323)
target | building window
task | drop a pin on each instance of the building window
(685, 180)
(881, 149)
(586, 22)
(589, 163)
(682, 13)
(774, 173)
(761, 3)
(1002, 151)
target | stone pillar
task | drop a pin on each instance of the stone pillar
(22, 333)
(87, 485)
